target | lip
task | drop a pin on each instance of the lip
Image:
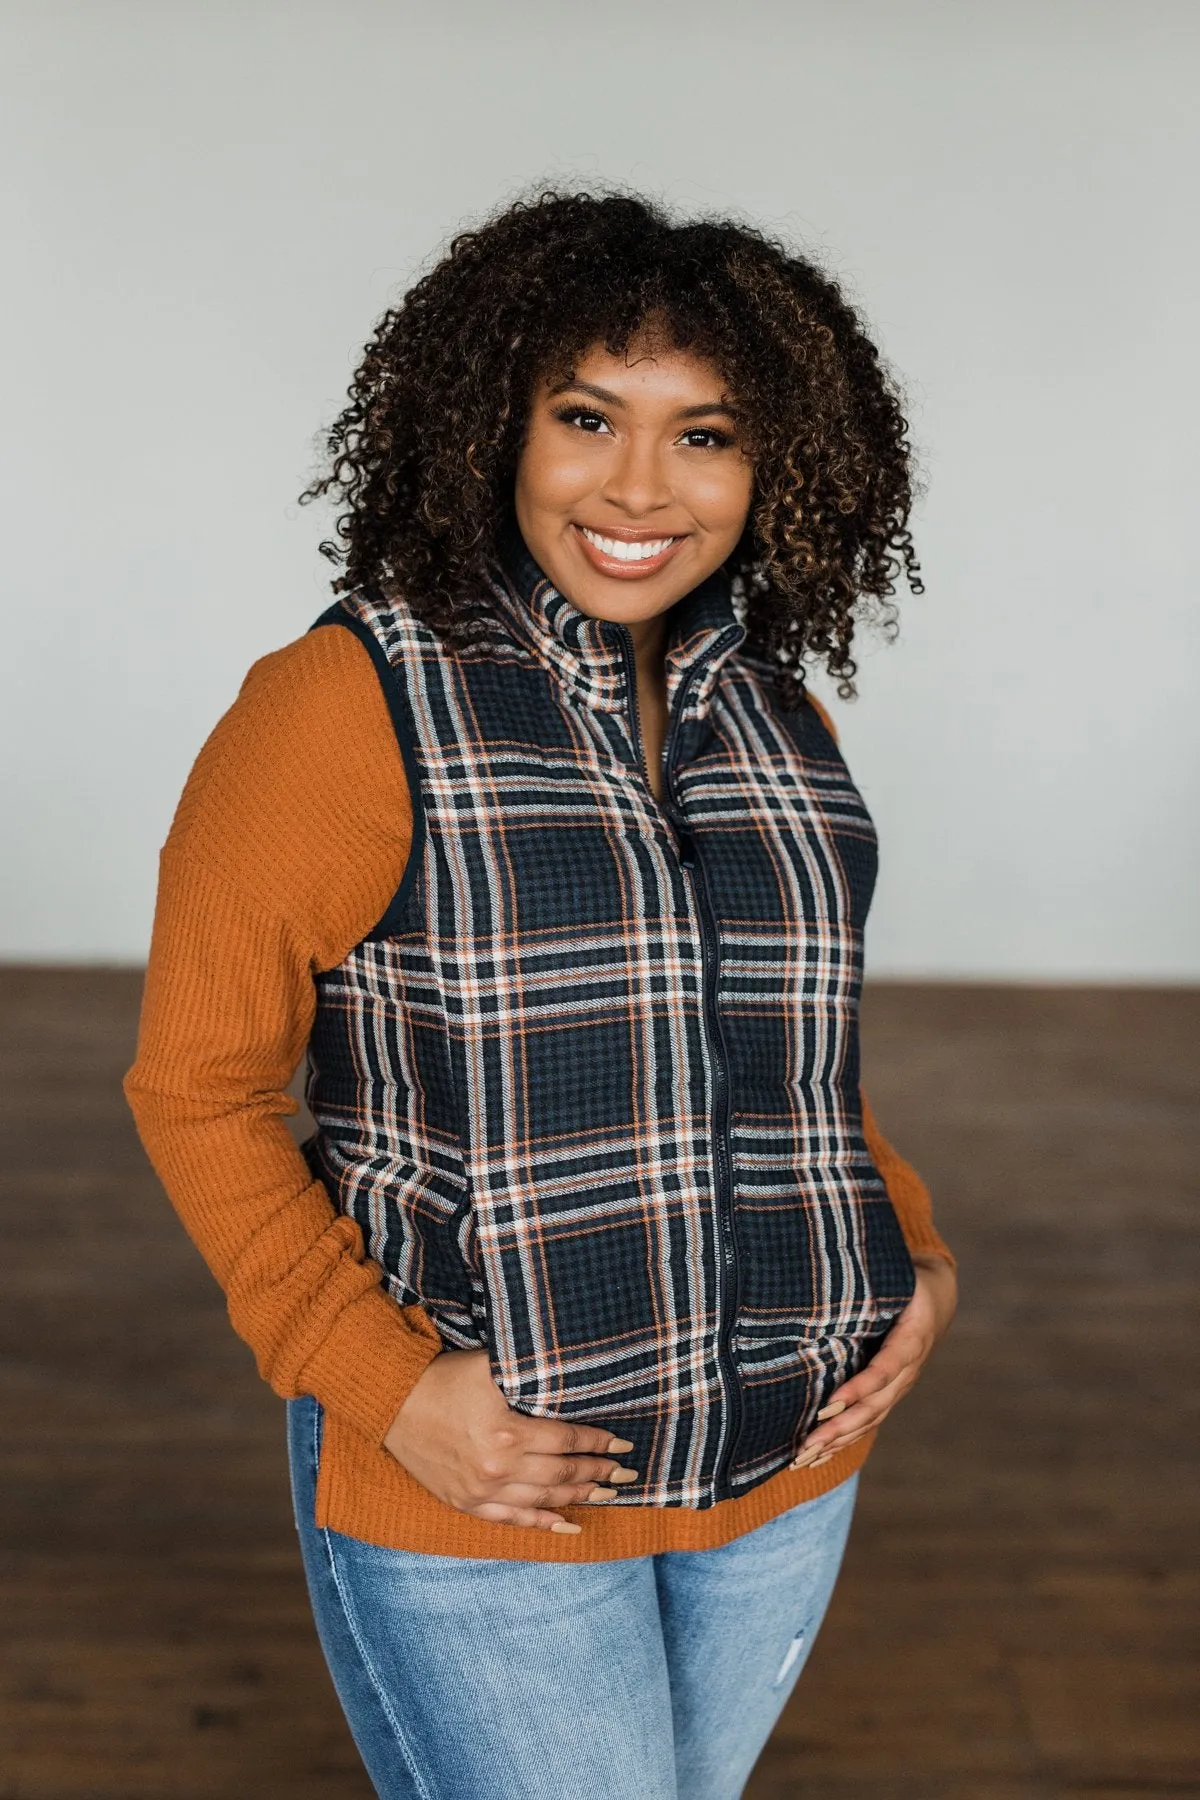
(623, 571)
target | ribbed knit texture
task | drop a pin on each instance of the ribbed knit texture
(288, 844)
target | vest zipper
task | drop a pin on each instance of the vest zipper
(719, 1048)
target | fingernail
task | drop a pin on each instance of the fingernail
(832, 1410)
(565, 1525)
(618, 1446)
(603, 1493)
(624, 1475)
(805, 1458)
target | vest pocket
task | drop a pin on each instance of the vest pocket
(786, 1378)
(418, 1225)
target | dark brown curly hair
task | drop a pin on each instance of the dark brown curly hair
(424, 454)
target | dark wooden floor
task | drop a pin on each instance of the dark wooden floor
(1015, 1620)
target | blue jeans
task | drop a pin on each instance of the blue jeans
(649, 1677)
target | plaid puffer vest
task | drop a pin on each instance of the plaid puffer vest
(590, 1087)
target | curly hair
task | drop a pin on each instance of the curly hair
(424, 455)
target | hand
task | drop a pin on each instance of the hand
(457, 1435)
(862, 1403)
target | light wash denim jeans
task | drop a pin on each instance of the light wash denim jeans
(649, 1678)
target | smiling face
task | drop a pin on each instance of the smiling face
(631, 484)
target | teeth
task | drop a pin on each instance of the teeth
(624, 550)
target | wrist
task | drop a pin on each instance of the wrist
(940, 1282)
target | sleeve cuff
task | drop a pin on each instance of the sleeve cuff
(370, 1361)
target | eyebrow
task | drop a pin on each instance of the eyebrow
(611, 399)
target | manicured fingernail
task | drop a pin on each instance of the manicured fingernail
(624, 1475)
(618, 1446)
(832, 1410)
(603, 1493)
(565, 1525)
(805, 1459)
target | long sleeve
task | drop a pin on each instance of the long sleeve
(906, 1191)
(288, 843)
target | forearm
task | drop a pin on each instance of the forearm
(908, 1194)
(226, 1013)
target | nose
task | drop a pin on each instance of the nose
(637, 481)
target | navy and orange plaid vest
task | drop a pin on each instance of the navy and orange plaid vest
(591, 1086)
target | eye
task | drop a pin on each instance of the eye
(582, 418)
(707, 437)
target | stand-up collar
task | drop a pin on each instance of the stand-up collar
(588, 654)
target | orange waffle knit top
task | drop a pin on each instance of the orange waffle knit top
(288, 844)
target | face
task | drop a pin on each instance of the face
(632, 486)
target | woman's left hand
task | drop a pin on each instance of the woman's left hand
(863, 1402)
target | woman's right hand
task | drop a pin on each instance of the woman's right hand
(457, 1435)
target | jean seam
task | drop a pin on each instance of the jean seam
(348, 1613)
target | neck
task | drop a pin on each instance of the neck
(650, 642)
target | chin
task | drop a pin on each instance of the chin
(624, 601)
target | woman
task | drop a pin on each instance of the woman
(597, 1278)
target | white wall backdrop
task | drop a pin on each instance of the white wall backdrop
(208, 204)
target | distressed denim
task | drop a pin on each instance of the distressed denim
(654, 1678)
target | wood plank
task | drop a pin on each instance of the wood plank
(1016, 1617)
